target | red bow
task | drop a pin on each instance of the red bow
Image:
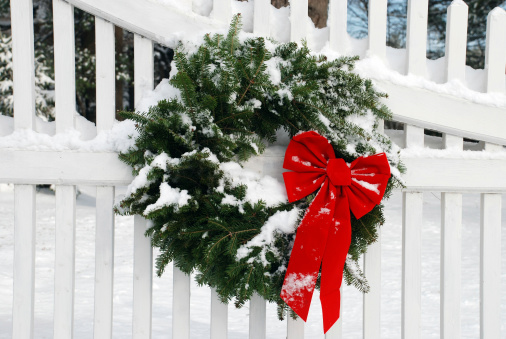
(324, 234)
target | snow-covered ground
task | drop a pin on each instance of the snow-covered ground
(238, 319)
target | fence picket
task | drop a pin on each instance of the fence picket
(495, 53)
(490, 266)
(456, 41)
(24, 261)
(104, 262)
(411, 264)
(257, 317)
(106, 74)
(298, 19)
(262, 18)
(143, 67)
(64, 65)
(222, 10)
(338, 17)
(219, 317)
(377, 28)
(143, 281)
(294, 328)
(416, 37)
(181, 305)
(64, 261)
(23, 63)
(413, 136)
(372, 299)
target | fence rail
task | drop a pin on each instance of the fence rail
(456, 118)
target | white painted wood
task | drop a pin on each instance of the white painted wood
(456, 41)
(294, 328)
(416, 37)
(298, 20)
(451, 240)
(64, 262)
(166, 24)
(83, 168)
(413, 136)
(257, 317)
(64, 65)
(490, 266)
(24, 261)
(188, 4)
(143, 281)
(143, 67)
(104, 262)
(23, 68)
(489, 147)
(411, 264)
(372, 299)
(219, 317)
(377, 28)
(222, 10)
(452, 141)
(338, 34)
(106, 74)
(262, 18)
(495, 53)
(181, 305)
(336, 331)
(445, 113)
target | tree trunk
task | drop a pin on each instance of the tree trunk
(317, 10)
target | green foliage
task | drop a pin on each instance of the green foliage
(231, 95)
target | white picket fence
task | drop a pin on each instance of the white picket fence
(417, 108)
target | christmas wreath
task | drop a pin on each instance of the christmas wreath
(232, 94)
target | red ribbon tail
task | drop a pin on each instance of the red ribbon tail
(334, 259)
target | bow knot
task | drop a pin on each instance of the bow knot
(338, 172)
(324, 234)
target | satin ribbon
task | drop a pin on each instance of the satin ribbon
(324, 234)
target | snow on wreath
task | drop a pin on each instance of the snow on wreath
(229, 96)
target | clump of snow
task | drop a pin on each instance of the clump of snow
(368, 186)
(295, 284)
(264, 188)
(281, 222)
(164, 90)
(169, 196)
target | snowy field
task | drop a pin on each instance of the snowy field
(238, 319)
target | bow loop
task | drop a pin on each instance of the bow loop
(324, 234)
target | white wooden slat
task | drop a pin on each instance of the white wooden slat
(294, 328)
(411, 264)
(377, 28)
(372, 299)
(426, 109)
(416, 37)
(489, 147)
(262, 18)
(490, 266)
(143, 281)
(338, 34)
(104, 262)
(181, 305)
(298, 20)
(64, 261)
(222, 10)
(451, 239)
(143, 67)
(64, 65)
(336, 331)
(456, 41)
(106, 74)
(413, 136)
(219, 317)
(23, 69)
(495, 53)
(257, 317)
(24, 261)
(452, 141)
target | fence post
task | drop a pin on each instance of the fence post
(377, 28)
(416, 37)
(338, 35)
(456, 41)
(298, 20)
(180, 305)
(257, 320)
(219, 317)
(262, 18)
(495, 53)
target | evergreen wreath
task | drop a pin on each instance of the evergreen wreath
(231, 94)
